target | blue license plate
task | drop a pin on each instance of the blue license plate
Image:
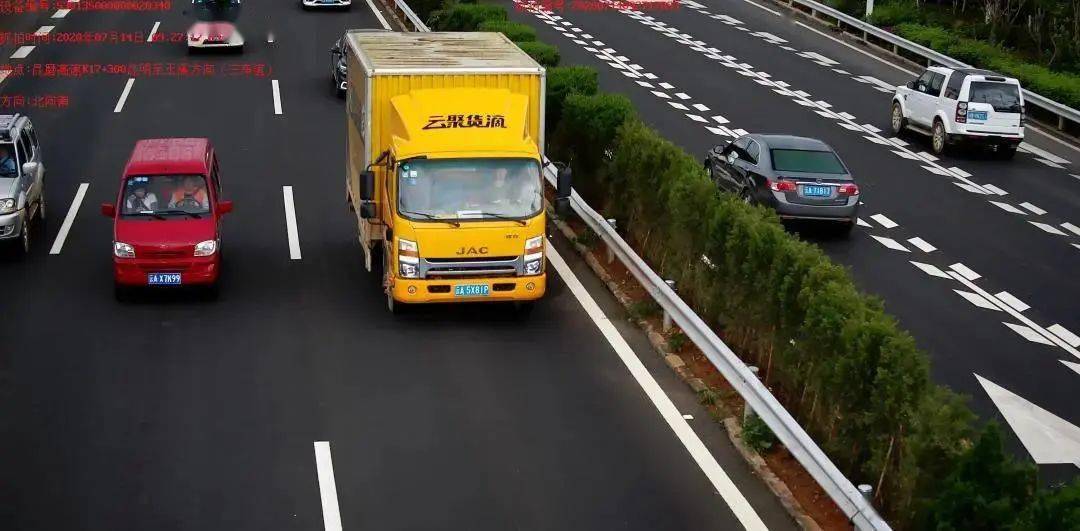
(817, 191)
(471, 290)
(163, 279)
(977, 115)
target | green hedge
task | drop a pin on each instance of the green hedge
(514, 31)
(465, 17)
(545, 54)
(563, 81)
(840, 364)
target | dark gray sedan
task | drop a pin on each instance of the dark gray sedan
(800, 178)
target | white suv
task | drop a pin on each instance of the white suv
(962, 106)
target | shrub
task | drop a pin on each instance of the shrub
(590, 121)
(561, 82)
(892, 13)
(514, 31)
(757, 434)
(545, 54)
(465, 17)
(424, 8)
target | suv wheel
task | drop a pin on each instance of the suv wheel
(939, 138)
(898, 121)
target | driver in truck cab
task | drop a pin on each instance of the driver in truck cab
(189, 191)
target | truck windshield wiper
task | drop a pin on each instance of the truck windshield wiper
(432, 217)
(507, 218)
(185, 212)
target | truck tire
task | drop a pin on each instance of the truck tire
(395, 307)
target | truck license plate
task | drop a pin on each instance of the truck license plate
(471, 290)
(163, 279)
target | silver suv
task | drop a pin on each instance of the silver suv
(22, 181)
(958, 106)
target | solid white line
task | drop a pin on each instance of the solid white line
(1011, 300)
(701, 455)
(759, 6)
(864, 52)
(22, 52)
(976, 300)
(378, 15)
(124, 95)
(44, 30)
(1027, 333)
(61, 13)
(1065, 335)
(324, 464)
(65, 228)
(277, 96)
(290, 223)
(153, 31)
(965, 271)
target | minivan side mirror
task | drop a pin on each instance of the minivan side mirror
(108, 210)
(224, 207)
(30, 168)
(367, 186)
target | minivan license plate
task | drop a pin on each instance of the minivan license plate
(817, 191)
(977, 115)
(471, 290)
(163, 279)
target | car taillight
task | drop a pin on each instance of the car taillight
(782, 186)
(849, 189)
(961, 112)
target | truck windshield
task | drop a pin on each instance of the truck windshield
(165, 195)
(469, 189)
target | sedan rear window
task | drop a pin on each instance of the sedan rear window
(1005, 97)
(806, 161)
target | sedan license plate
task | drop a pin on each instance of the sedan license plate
(817, 191)
(977, 115)
(163, 279)
(471, 290)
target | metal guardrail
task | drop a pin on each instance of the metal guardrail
(1061, 111)
(847, 497)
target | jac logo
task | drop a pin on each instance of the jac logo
(465, 251)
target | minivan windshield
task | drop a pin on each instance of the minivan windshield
(469, 189)
(165, 195)
(807, 161)
(1005, 97)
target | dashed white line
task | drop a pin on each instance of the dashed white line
(65, 228)
(884, 221)
(965, 271)
(931, 270)
(890, 243)
(124, 95)
(864, 52)
(44, 30)
(290, 223)
(995, 189)
(22, 52)
(1048, 228)
(1065, 334)
(1034, 209)
(277, 96)
(1028, 334)
(1008, 208)
(61, 13)
(1071, 228)
(977, 300)
(1012, 301)
(922, 244)
(324, 465)
(153, 31)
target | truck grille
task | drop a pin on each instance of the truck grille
(493, 266)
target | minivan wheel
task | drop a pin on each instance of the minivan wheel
(898, 122)
(940, 138)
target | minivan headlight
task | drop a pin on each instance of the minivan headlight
(534, 255)
(408, 259)
(206, 248)
(7, 206)
(123, 250)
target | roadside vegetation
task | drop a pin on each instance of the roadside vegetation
(839, 363)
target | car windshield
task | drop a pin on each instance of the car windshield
(165, 195)
(469, 188)
(8, 164)
(807, 161)
(1004, 97)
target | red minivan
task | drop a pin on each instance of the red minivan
(167, 216)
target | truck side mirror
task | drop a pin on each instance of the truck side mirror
(108, 210)
(367, 186)
(367, 210)
(563, 183)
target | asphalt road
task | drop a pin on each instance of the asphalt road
(1005, 317)
(172, 413)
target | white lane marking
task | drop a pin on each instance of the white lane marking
(759, 6)
(1071, 228)
(690, 440)
(818, 58)
(965, 271)
(931, 270)
(22, 52)
(4, 73)
(153, 31)
(890, 243)
(61, 13)
(65, 228)
(995, 189)
(861, 223)
(277, 96)
(922, 244)
(1048, 228)
(688, 417)
(667, 86)
(959, 171)
(1048, 438)
(290, 223)
(378, 15)
(1065, 334)
(44, 30)
(1008, 208)
(1034, 209)
(864, 52)
(124, 95)
(1012, 301)
(324, 465)
(975, 299)
(1043, 153)
(971, 188)
(1071, 365)
(1028, 334)
(701, 107)
(682, 96)
(884, 221)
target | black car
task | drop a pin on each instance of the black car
(337, 67)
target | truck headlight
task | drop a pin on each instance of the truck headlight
(123, 250)
(408, 259)
(206, 248)
(534, 255)
(7, 206)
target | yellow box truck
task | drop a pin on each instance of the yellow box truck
(445, 163)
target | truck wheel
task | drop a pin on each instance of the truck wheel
(898, 122)
(939, 138)
(395, 307)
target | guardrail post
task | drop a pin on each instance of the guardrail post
(1061, 123)
(867, 491)
(667, 316)
(610, 251)
(747, 410)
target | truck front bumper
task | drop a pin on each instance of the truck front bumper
(500, 289)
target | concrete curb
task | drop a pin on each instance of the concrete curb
(734, 430)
